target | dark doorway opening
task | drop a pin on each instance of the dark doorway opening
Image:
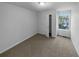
(50, 25)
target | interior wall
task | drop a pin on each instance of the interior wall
(75, 27)
(43, 22)
(63, 32)
(16, 25)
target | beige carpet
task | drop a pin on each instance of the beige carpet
(41, 46)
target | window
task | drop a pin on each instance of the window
(63, 19)
(63, 22)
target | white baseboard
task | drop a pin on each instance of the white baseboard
(75, 47)
(16, 44)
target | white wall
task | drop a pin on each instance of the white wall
(63, 32)
(75, 28)
(43, 22)
(16, 25)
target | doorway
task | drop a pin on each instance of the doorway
(50, 25)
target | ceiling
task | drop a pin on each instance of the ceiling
(36, 7)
